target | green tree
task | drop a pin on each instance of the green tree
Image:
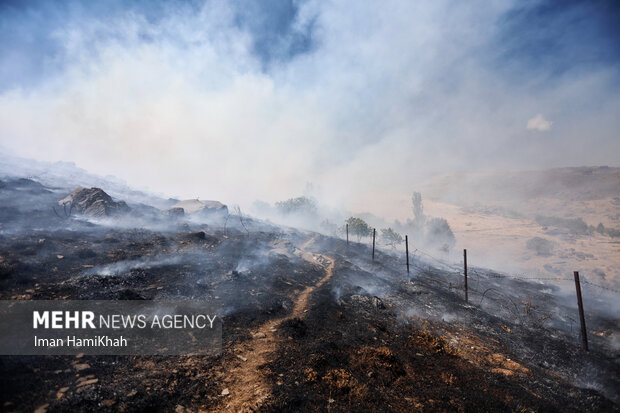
(358, 227)
(391, 237)
(299, 205)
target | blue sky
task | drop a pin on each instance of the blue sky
(259, 98)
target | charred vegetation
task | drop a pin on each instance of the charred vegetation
(311, 323)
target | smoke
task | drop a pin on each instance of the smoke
(125, 266)
(257, 258)
(223, 101)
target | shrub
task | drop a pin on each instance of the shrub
(438, 232)
(574, 225)
(299, 205)
(391, 237)
(540, 245)
(359, 227)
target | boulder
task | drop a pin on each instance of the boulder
(93, 202)
(207, 208)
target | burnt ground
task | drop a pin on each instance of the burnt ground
(310, 324)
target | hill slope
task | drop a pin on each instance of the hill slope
(310, 323)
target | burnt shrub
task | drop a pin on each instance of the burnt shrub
(295, 328)
(6, 270)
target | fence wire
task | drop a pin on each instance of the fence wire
(458, 270)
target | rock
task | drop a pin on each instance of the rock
(260, 335)
(225, 392)
(378, 303)
(108, 403)
(206, 208)
(179, 409)
(93, 202)
(241, 358)
(200, 235)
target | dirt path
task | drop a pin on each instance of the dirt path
(246, 387)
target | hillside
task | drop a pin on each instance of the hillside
(583, 183)
(495, 216)
(310, 323)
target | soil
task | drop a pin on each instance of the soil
(310, 324)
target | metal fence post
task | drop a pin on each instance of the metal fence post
(465, 272)
(374, 231)
(582, 318)
(407, 251)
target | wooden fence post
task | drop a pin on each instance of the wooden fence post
(347, 234)
(582, 318)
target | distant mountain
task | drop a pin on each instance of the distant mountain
(567, 184)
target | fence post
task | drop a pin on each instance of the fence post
(374, 231)
(407, 251)
(347, 234)
(584, 333)
(465, 272)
